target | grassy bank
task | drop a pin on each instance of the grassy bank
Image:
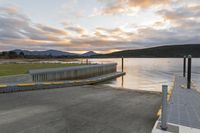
(14, 69)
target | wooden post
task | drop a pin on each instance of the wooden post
(184, 65)
(189, 72)
(87, 62)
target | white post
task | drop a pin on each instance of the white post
(164, 107)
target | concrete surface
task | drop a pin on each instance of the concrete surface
(14, 79)
(83, 109)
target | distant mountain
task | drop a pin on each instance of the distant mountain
(54, 53)
(90, 53)
(160, 51)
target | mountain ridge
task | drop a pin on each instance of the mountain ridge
(51, 52)
(89, 53)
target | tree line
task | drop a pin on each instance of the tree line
(11, 55)
(15, 55)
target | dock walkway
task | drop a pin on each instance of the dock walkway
(183, 109)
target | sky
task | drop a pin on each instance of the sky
(97, 25)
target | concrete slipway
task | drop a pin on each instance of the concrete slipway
(84, 108)
(80, 109)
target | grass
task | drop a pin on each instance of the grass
(14, 69)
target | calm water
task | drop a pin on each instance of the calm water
(149, 73)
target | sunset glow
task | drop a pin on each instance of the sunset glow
(97, 25)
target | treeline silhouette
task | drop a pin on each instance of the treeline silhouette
(11, 55)
(21, 55)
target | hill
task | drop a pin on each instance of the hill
(53, 53)
(88, 54)
(160, 51)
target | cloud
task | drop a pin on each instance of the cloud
(185, 17)
(178, 25)
(124, 6)
(180, 13)
(17, 29)
(10, 9)
(147, 3)
(113, 34)
(77, 29)
(52, 30)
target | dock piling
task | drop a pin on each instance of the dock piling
(184, 65)
(122, 64)
(189, 72)
(164, 107)
(87, 61)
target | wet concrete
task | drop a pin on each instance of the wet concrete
(82, 109)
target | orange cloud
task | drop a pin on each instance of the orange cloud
(123, 6)
(10, 9)
(147, 3)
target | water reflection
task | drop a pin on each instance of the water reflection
(149, 73)
(122, 82)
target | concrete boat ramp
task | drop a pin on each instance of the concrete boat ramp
(80, 109)
(89, 108)
(183, 109)
(65, 100)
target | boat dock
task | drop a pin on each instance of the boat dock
(183, 113)
(179, 112)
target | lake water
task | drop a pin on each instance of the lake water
(149, 73)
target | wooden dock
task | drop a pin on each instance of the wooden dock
(183, 109)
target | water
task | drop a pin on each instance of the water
(149, 73)
(145, 73)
